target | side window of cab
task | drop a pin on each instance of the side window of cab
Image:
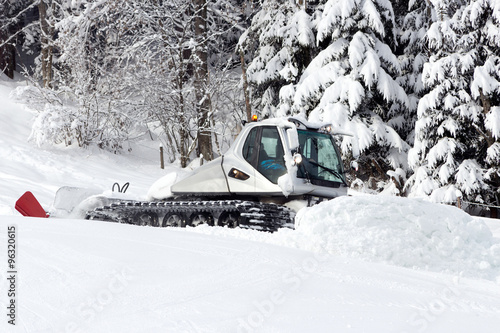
(263, 149)
(249, 148)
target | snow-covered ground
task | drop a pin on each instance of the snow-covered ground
(354, 264)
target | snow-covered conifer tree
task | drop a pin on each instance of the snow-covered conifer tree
(352, 83)
(283, 37)
(413, 18)
(414, 24)
(481, 21)
(457, 132)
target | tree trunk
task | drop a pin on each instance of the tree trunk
(7, 46)
(7, 56)
(245, 87)
(47, 32)
(201, 80)
(183, 135)
(490, 140)
(485, 101)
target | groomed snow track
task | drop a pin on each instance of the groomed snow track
(231, 213)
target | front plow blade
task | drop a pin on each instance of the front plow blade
(28, 205)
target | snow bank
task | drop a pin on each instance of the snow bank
(404, 232)
(161, 188)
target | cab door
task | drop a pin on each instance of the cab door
(270, 161)
(260, 163)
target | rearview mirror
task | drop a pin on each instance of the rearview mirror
(297, 158)
(354, 166)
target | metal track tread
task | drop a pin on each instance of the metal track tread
(230, 213)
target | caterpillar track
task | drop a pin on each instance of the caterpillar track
(230, 213)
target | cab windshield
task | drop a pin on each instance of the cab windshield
(321, 162)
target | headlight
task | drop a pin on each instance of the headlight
(235, 173)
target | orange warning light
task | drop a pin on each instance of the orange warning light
(254, 117)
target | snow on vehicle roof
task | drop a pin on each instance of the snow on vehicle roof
(301, 122)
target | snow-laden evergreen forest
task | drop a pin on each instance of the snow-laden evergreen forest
(355, 264)
(416, 82)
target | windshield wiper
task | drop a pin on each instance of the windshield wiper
(333, 172)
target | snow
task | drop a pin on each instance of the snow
(302, 29)
(492, 122)
(483, 81)
(415, 234)
(469, 176)
(493, 152)
(334, 13)
(354, 264)
(373, 17)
